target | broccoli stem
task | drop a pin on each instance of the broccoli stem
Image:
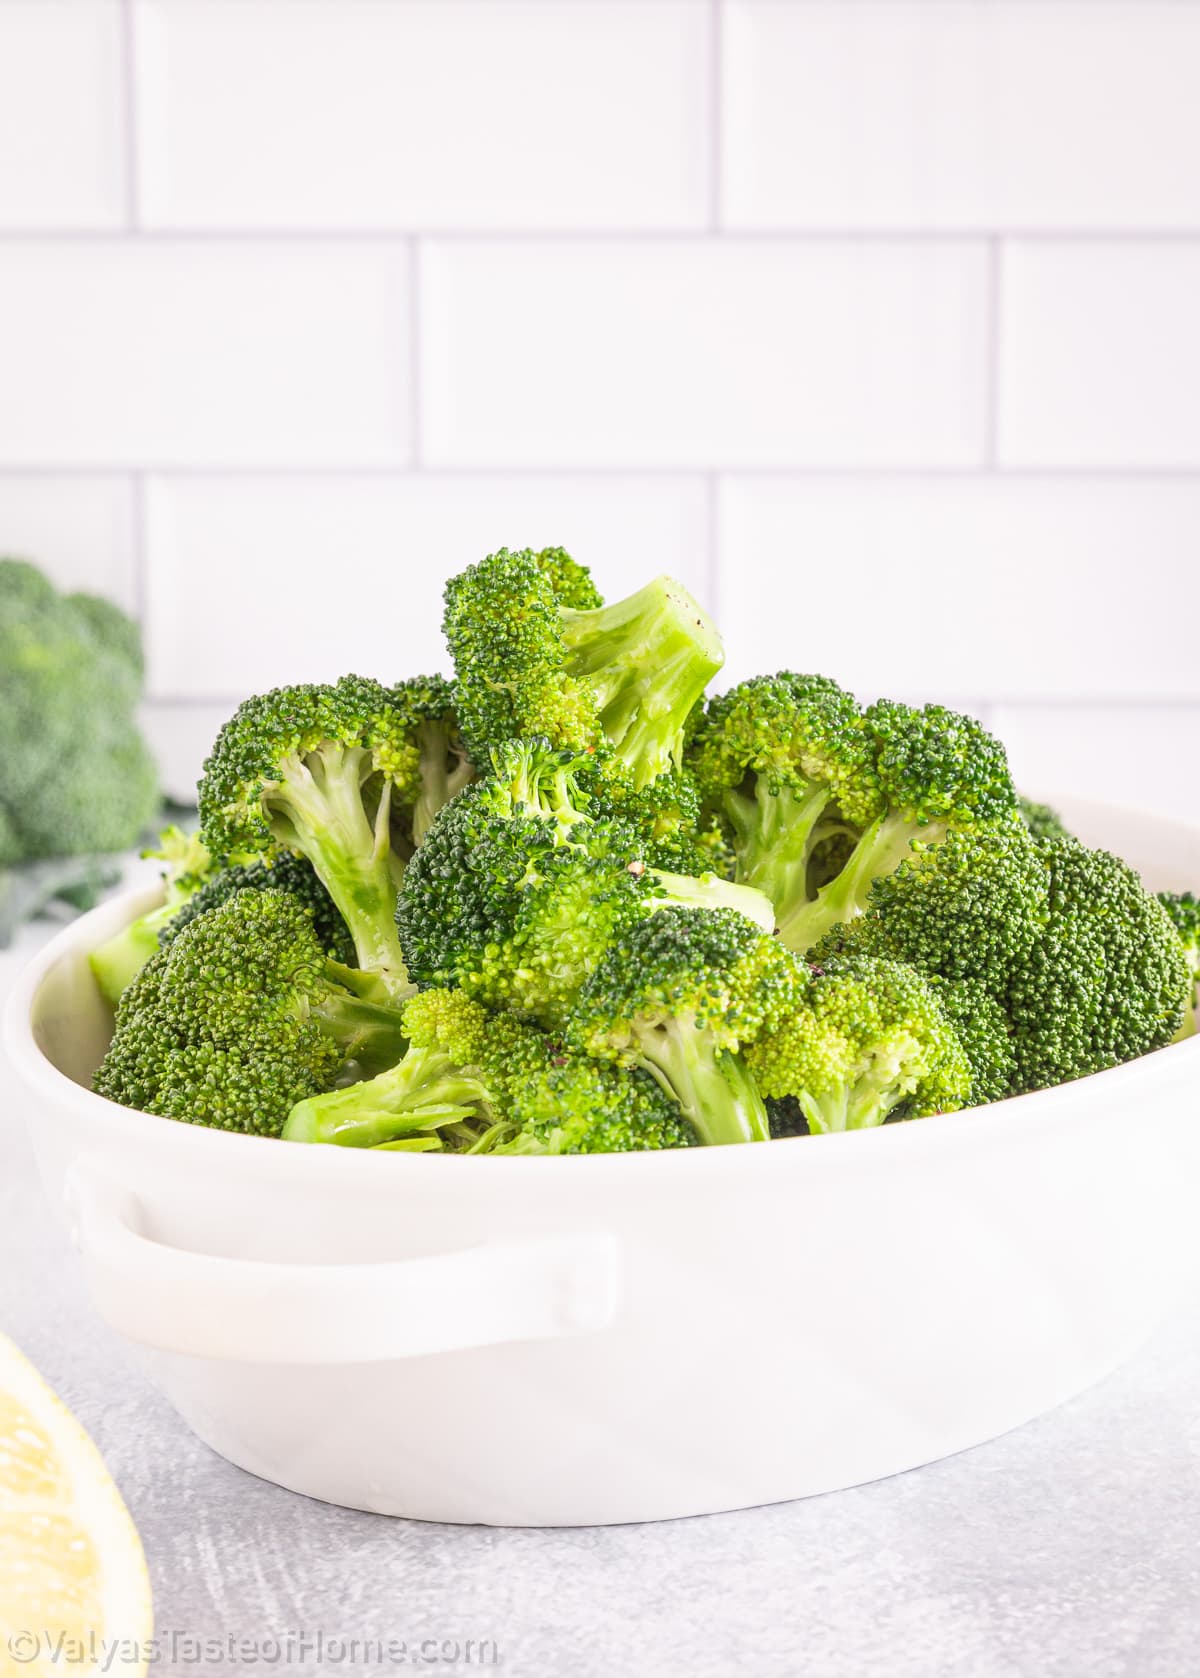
(647, 659)
(441, 778)
(869, 1099)
(369, 1034)
(775, 833)
(881, 849)
(317, 809)
(715, 1092)
(709, 891)
(424, 1092)
(117, 962)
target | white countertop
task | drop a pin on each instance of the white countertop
(1068, 1549)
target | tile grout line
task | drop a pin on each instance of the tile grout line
(133, 204)
(716, 112)
(992, 380)
(700, 234)
(416, 406)
(672, 472)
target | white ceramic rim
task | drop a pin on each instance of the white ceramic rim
(850, 1147)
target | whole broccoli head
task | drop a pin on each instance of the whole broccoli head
(322, 771)
(75, 774)
(241, 1017)
(680, 994)
(617, 681)
(518, 891)
(867, 1040)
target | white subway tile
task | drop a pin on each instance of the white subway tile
(927, 114)
(702, 352)
(429, 115)
(181, 737)
(1134, 756)
(385, 546)
(1100, 354)
(62, 142)
(79, 530)
(1022, 587)
(280, 353)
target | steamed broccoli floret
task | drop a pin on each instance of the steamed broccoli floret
(820, 798)
(679, 994)
(1041, 820)
(983, 1029)
(76, 776)
(783, 761)
(1107, 979)
(285, 872)
(969, 907)
(868, 1039)
(118, 961)
(480, 1082)
(242, 1016)
(442, 770)
(316, 771)
(934, 771)
(618, 681)
(1184, 911)
(517, 891)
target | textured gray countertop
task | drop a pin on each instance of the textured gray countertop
(1068, 1549)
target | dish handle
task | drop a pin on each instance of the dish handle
(262, 1311)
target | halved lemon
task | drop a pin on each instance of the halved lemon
(74, 1593)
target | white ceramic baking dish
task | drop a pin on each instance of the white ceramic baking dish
(630, 1337)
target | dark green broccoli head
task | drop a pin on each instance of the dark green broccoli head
(240, 1017)
(867, 1040)
(1107, 980)
(679, 994)
(615, 681)
(285, 872)
(983, 1029)
(75, 773)
(970, 906)
(315, 770)
(1041, 820)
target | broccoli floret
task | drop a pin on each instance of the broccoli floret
(819, 798)
(679, 994)
(1184, 910)
(1107, 980)
(443, 768)
(76, 777)
(866, 1041)
(517, 891)
(1041, 820)
(969, 907)
(782, 761)
(619, 681)
(118, 961)
(934, 772)
(241, 1017)
(315, 771)
(285, 872)
(984, 1031)
(478, 1082)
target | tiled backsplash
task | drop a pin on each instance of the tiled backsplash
(876, 321)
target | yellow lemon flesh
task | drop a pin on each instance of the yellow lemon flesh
(74, 1594)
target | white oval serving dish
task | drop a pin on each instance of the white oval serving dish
(625, 1337)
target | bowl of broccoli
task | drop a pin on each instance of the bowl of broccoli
(563, 930)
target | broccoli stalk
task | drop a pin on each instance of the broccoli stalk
(647, 659)
(425, 1092)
